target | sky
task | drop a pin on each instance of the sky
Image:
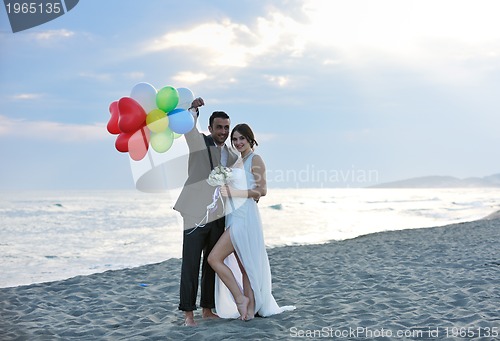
(338, 93)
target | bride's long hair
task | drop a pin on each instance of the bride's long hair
(245, 130)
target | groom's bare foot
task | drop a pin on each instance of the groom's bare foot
(242, 305)
(190, 322)
(189, 319)
(208, 314)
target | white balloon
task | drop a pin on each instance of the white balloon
(186, 97)
(145, 95)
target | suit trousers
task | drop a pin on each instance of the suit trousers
(201, 240)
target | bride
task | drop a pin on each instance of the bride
(239, 258)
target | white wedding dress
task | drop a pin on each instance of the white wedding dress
(245, 228)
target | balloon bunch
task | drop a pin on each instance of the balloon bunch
(150, 117)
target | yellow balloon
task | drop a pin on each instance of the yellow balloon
(157, 120)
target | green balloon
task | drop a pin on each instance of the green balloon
(161, 142)
(167, 98)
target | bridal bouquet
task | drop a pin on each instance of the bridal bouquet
(219, 176)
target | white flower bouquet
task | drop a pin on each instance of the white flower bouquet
(219, 176)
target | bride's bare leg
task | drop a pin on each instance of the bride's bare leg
(221, 250)
(247, 290)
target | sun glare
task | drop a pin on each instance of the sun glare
(188, 77)
(401, 27)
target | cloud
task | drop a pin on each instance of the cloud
(106, 77)
(188, 77)
(26, 97)
(448, 42)
(53, 34)
(281, 81)
(134, 75)
(52, 131)
(227, 43)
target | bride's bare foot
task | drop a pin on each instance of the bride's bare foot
(250, 311)
(250, 315)
(242, 306)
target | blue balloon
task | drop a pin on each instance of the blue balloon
(180, 121)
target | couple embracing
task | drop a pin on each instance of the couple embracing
(236, 276)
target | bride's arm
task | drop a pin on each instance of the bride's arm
(259, 173)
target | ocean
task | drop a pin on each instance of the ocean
(48, 236)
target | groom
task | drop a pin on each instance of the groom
(205, 152)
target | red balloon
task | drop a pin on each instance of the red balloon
(113, 120)
(138, 144)
(121, 143)
(131, 115)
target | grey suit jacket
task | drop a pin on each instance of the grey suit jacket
(197, 193)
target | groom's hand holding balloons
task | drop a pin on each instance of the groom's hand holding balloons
(198, 102)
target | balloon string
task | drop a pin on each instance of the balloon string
(151, 162)
(144, 138)
(211, 209)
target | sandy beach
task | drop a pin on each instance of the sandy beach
(433, 283)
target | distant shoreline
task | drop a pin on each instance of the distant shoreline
(492, 181)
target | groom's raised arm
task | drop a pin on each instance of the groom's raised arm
(193, 138)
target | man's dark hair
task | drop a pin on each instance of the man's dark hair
(217, 114)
